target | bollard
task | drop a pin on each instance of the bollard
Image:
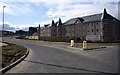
(72, 43)
(84, 44)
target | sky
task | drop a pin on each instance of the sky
(22, 14)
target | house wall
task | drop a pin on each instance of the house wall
(110, 30)
(81, 30)
(78, 29)
(74, 30)
(45, 32)
(93, 29)
(53, 31)
(61, 31)
(69, 30)
(32, 37)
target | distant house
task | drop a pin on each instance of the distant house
(32, 30)
(6, 33)
(21, 32)
(45, 31)
(49, 30)
(60, 29)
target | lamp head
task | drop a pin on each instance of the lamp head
(4, 6)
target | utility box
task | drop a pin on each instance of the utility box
(84, 44)
(72, 43)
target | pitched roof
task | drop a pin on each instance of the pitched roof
(35, 34)
(95, 17)
(108, 16)
(91, 18)
(71, 21)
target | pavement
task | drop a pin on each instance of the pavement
(51, 57)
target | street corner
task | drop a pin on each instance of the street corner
(88, 48)
(73, 47)
(94, 48)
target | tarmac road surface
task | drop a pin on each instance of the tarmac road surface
(52, 58)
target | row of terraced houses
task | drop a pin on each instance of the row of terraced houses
(97, 27)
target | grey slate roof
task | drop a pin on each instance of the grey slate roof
(71, 21)
(95, 17)
(35, 34)
(91, 18)
(108, 16)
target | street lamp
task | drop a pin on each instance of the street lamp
(3, 24)
(39, 32)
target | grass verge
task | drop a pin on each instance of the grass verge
(11, 53)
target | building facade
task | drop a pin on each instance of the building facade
(97, 27)
(49, 30)
(45, 32)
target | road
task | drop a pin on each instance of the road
(55, 58)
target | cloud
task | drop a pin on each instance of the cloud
(64, 9)
(16, 8)
(119, 10)
(7, 27)
(79, 9)
(59, 0)
(12, 27)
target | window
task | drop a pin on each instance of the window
(105, 22)
(92, 30)
(88, 23)
(69, 31)
(103, 37)
(92, 23)
(103, 29)
(97, 30)
(113, 19)
(77, 22)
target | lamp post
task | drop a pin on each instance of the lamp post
(3, 24)
(39, 32)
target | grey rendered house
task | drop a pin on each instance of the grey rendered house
(97, 27)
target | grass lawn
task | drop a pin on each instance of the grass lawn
(11, 53)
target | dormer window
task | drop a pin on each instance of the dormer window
(92, 23)
(92, 30)
(97, 23)
(113, 19)
(77, 22)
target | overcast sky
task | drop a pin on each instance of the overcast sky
(21, 14)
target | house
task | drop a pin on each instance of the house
(32, 30)
(60, 29)
(97, 27)
(45, 31)
(49, 30)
